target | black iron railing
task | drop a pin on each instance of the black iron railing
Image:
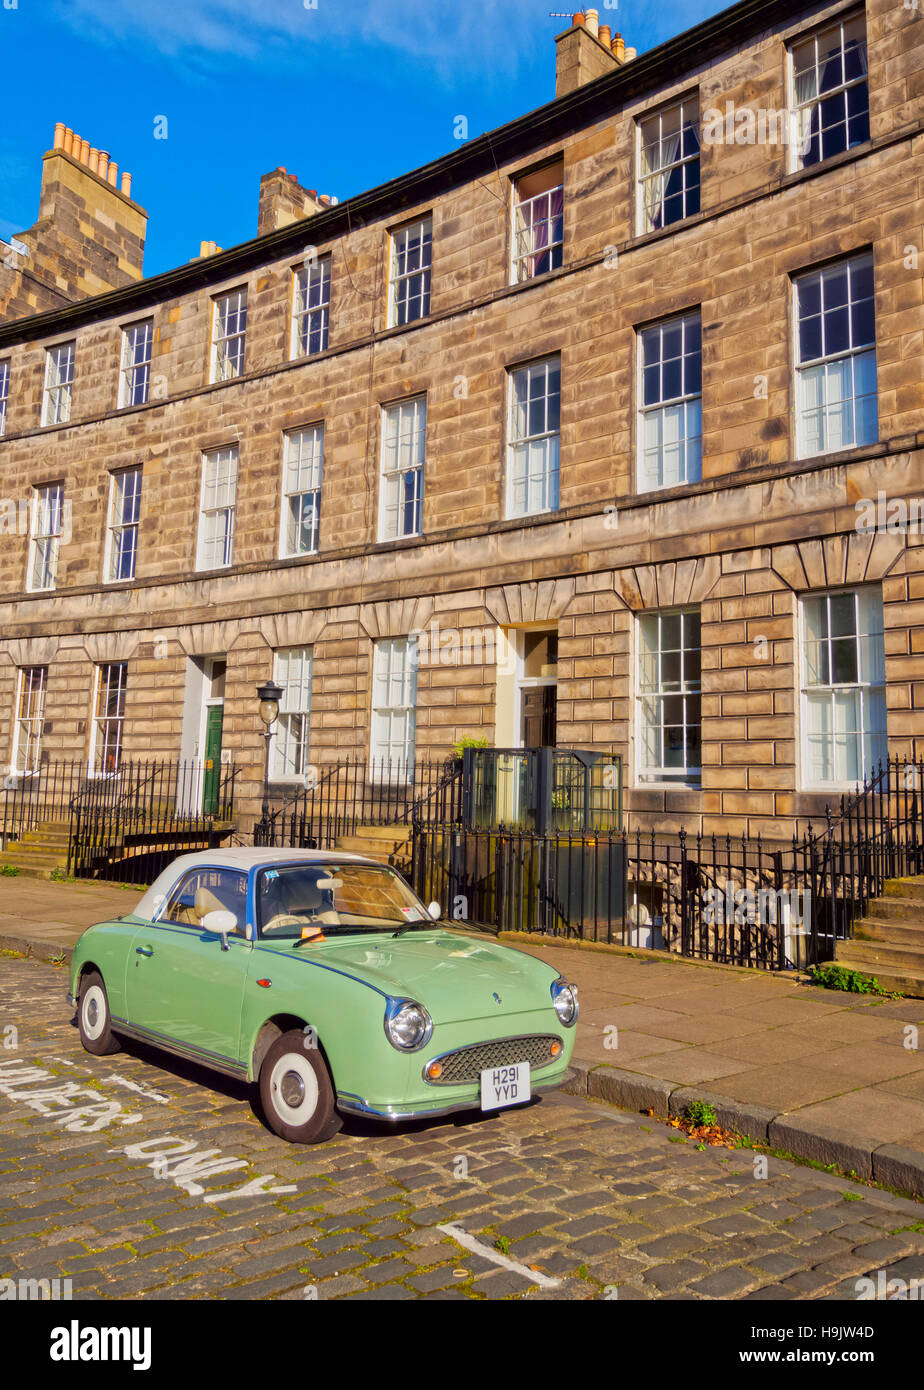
(128, 824)
(31, 799)
(709, 899)
(740, 901)
(341, 797)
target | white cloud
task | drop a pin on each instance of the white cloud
(459, 34)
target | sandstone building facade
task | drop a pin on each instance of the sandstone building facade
(607, 429)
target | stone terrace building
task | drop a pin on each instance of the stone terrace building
(615, 412)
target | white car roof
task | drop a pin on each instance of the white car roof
(241, 857)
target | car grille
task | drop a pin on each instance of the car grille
(466, 1063)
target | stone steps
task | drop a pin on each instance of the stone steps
(389, 843)
(889, 941)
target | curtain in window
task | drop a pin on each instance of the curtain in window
(655, 179)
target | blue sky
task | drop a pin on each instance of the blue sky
(345, 93)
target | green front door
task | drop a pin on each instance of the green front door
(211, 780)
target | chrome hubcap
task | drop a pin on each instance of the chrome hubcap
(293, 1089)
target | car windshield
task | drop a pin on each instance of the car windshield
(311, 900)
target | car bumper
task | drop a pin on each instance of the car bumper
(424, 1110)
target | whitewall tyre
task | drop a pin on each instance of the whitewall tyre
(297, 1092)
(93, 1017)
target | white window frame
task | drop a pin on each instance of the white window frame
(541, 483)
(400, 278)
(28, 728)
(687, 408)
(229, 342)
(867, 693)
(135, 336)
(665, 167)
(217, 499)
(5, 372)
(830, 368)
(310, 308)
(291, 737)
(45, 536)
(527, 216)
(394, 674)
(302, 474)
(123, 515)
(59, 383)
(107, 730)
(801, 112)
(687, 689)
(402, 464)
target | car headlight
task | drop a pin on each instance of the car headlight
(564, 998)
(408, 1026)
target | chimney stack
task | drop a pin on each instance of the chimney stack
(283, 201)
(96, 161)
(586, 51)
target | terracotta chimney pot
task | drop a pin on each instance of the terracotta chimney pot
(127, 185)
(618, 46)
(102, 167)
(604, 35)
(112, 175)
(68, 145)
(577, 18)
(84, 151)
(93, 162)
(59, 136)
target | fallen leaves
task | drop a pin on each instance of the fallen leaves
(705, 1134)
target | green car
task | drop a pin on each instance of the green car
(323, 979)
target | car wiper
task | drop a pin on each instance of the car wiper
(406, 926)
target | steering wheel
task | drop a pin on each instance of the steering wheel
(285, 919)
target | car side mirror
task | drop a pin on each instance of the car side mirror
(220, 923)
(435, 911)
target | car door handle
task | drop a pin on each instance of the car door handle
(144, 950)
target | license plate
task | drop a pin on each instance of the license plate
(504, 1086)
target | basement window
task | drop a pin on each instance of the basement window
(538, 222)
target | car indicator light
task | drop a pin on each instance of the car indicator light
(555, 1048)
(434, 1070)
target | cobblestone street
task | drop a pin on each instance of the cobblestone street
(138, 1176)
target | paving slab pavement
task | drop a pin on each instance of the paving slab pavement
(843, 1074)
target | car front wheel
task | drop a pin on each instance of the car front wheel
(93, 1017)
(297, 1092)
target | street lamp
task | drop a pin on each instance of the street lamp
(269, 694)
